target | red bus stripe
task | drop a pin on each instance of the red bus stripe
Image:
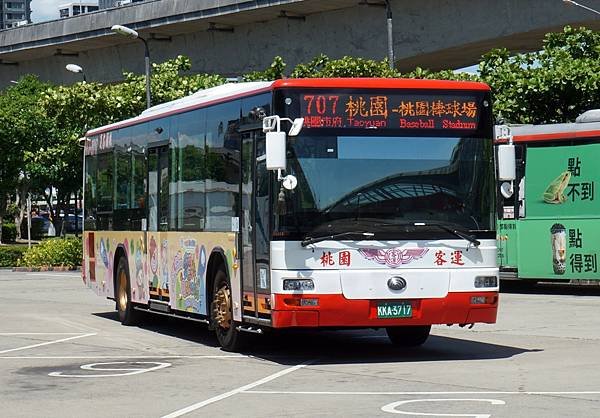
(381, 83)
(557, 136)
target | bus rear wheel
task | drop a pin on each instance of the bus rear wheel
(229, 337)
(127, 315)
(408, 336)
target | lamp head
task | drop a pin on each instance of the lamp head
(125, 31)
(74, 68)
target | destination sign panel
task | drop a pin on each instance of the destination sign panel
(390, 111)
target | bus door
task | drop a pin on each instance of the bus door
(158, 222)
(256, 288)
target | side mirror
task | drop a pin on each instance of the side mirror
(506, 189)
(296, 126)
(507, 165)
(276, 150)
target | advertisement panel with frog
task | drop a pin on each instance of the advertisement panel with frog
(560, 231)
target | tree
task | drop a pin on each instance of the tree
(553, 85)
(24, 131)
(82, 106)
(324, 67)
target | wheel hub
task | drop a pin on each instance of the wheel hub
(222, 308)
(122, 291)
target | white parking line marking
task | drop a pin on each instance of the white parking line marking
(46, 343)
(391, 408)
(282, 392)
(121, 357)
(2, 334)
(241, 389)
(127, 371)
(54, 274)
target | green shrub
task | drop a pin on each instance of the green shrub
(10, 254)
(9, 232)
(54, 252)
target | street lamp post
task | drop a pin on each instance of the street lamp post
(74, 68)
(388, 8)
(390, 41)
(574, 3)
(130, 33)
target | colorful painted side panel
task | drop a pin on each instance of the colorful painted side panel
(100, 270)
(169, 266)
(559, 249)
(508, 243)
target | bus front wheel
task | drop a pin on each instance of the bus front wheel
(127, 315)
(408, 336)
(229, 337)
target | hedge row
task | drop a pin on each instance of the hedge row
(54, 252)
(10, 255)
(9, 233)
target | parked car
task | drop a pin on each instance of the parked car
(73, 223)
(39, 227)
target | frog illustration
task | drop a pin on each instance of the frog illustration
(554, 192)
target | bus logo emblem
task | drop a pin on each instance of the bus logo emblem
(393, 257)
(396, 283)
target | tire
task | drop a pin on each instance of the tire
(408, 336)
(221, 315)
(127, 315)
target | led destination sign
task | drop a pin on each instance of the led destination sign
(390, 111)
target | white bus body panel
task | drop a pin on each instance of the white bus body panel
(431, 269)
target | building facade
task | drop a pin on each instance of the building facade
(74, 9)
(106, 4)
(14, 13)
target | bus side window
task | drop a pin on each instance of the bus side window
(105, 189)
(89, 199)
(223, 174)
(152, 191)
(188, 165)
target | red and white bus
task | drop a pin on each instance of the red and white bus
(363, 203)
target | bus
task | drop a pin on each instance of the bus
(548, 216)
(299, 203)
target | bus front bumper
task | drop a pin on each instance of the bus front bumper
(334, 310)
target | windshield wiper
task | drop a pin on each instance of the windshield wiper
(313, 240)
(461, 234)
(453, 230)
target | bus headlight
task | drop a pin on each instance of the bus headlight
(486, 281)
(298, 284)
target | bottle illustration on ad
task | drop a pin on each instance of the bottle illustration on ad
(558, 238)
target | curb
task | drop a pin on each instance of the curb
(46, 268)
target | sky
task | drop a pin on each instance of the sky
(43, 10)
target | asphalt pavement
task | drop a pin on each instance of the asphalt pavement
(64, 354)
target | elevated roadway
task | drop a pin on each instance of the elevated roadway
(234, 37)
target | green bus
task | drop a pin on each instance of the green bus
(549, 215)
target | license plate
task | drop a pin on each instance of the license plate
(394, 310)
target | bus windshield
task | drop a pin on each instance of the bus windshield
(345, 181)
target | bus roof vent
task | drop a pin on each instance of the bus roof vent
(589, 116)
